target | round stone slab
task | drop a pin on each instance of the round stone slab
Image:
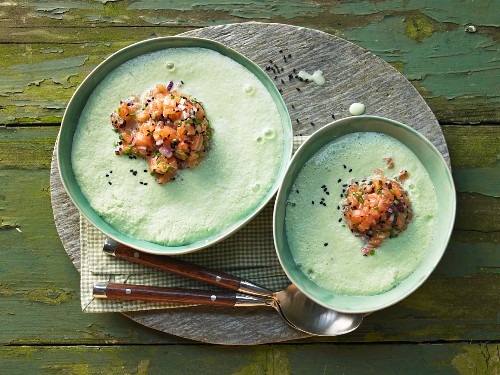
(352, 75)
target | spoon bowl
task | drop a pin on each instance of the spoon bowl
(308, 316)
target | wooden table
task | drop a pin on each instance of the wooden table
(448, 50)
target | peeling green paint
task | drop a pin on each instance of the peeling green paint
(482, 359)
(258, 10)
(419, 27)
(49, 295)
(485, 180)
(6, 291)
(56, 70)
(398, 65)
(449, 64)
(458, 11)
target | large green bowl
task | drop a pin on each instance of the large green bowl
(445, 191)
(77, 104)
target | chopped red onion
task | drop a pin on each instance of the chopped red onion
(165, 151)
(170, 85)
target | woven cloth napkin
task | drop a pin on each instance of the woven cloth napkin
(248, 254)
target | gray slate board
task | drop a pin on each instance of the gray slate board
(352, 75)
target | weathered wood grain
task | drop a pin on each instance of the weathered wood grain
(39, 287)
(456, 358)
(455, 71)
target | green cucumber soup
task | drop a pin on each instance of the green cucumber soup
(239, 169)
(320, 241)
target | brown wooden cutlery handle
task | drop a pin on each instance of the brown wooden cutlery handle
(128, 292)
(185, 269)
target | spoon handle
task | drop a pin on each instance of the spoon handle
(185, 269)
(130, 292)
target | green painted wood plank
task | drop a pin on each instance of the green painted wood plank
(37, 13)
(39, 287)
(459, 358)
(455, 71)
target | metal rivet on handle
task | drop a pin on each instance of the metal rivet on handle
(218, 278)
(213, 297)
(136, 255)
(128, 291)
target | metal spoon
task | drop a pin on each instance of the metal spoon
(294, 307)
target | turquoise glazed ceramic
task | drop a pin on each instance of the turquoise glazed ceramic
(79, 99)
(445, 192)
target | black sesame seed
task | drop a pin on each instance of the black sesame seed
(323, 186)
(109, 182)
(297, 191)
(107, 175)
(297, 120)
(294, 70)
(297, 88)
(341, 195)
(289, 55)
(325, 244)
(312, 202)
(340, 220)
(333, 116)
(312, 123)
(350, 170)
(339, 180)
(280, 51)
(282, 81)
(147, 183)
(271, 61)
(145, 171)
(327, 192)
(344, 166)
(293, 106)
(338, 207)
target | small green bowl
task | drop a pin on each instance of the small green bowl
(445, 191)
(77, 104)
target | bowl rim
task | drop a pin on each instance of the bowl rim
(123, 55)
(282, 196)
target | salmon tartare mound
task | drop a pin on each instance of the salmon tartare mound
(168, 129)
(376, 208)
